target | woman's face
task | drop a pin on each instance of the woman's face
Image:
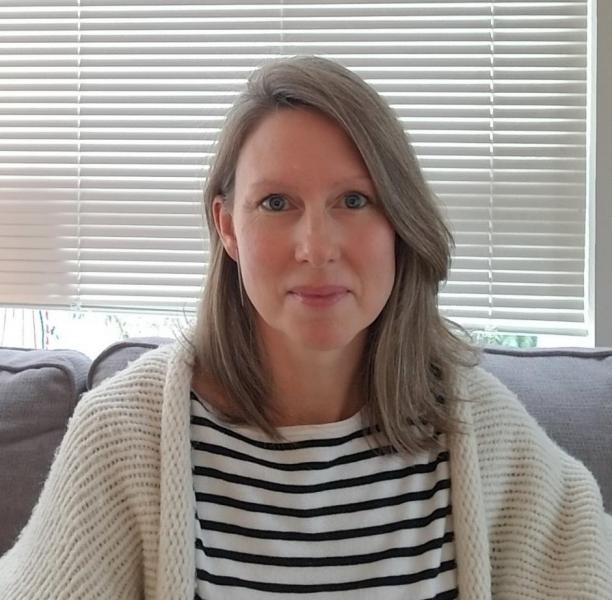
(304, 220)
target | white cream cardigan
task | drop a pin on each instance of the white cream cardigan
(115, 519)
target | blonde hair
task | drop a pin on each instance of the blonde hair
(411, 361)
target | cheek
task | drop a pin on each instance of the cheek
(377, 250)
(261, 254)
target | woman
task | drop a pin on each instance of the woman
(324, 432)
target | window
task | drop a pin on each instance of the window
(110, 113)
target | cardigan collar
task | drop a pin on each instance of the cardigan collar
(469, 522)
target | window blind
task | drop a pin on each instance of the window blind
(109, 111)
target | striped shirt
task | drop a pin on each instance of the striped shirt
(321, 516)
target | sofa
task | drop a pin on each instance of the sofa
(567, 390)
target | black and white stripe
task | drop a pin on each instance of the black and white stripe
(322, 516)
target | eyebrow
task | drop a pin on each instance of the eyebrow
(276, 183)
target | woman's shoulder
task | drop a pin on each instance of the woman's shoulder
(497, 413)
(123, 412)
(486, 392)
(135, 390)
(509, 439)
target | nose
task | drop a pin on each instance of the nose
(317, 239)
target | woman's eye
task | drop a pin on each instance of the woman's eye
(274, 203)
(355, 200)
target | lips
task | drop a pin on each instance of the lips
(319, 291)
(319, 297)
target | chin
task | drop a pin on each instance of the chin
(314, 335)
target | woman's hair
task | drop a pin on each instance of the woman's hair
(412, 355)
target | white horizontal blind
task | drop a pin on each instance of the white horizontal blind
(515, 185)
(108, 112)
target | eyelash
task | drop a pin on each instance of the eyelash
(368, 201)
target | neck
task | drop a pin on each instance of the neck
(313, 386)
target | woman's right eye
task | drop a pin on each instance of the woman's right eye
(274, 203)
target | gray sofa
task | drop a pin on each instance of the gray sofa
(568, 391)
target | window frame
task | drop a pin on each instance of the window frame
(599, 288)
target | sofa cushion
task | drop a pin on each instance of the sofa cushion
(569, 392)
(118, 355)
(38, 392)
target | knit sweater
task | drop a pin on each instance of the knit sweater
(115, 519)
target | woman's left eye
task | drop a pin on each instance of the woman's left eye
(355, 200)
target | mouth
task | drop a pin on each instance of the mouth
(319, 298)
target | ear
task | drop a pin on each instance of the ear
(224, 223)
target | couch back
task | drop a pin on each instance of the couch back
(567, 390)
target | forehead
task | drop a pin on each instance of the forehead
(291, 143)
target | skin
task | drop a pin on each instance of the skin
(304, 214)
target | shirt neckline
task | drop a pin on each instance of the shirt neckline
(292, 432)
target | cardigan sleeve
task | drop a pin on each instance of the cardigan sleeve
(82, 538)
(549, 535)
